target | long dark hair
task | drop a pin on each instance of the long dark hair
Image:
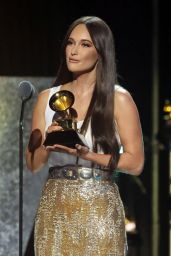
(101, 108)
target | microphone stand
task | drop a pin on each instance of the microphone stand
(21, 177)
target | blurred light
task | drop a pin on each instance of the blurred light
(130, 226)
(167, 108)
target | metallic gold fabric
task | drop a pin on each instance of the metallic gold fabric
(80, 218)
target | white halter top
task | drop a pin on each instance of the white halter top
(58, 158)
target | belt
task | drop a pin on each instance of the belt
(79, 173)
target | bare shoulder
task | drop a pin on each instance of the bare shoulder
(121, 94)
(43, 96)
(44, 93)
(41, 101)
(123, 100)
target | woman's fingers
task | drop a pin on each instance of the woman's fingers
(53, 128)
(54, 123)
(77, 151)
(81, 149)
(61, 148)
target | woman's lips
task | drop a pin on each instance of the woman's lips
(73, 60)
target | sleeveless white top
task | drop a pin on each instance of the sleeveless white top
(58, 158)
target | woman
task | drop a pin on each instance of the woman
(83, 215)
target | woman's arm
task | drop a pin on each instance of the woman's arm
(36, 155)
(129, 128)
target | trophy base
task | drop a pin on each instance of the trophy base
(68, 138)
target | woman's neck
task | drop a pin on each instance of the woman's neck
(84, 82)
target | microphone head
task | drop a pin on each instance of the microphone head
(26, 90)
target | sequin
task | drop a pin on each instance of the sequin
(80, 218)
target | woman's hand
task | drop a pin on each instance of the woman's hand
(79, 150)
(53, 128)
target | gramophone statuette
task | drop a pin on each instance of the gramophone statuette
(61, 102)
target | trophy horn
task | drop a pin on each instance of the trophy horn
(61, 100)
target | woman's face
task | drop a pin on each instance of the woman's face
(81, 55)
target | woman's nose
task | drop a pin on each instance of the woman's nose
(74, 50)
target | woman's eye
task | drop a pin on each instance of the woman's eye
(69, 42)
(86, 45)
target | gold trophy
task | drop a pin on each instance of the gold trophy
(61, 102)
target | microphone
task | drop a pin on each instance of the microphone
(26, 90)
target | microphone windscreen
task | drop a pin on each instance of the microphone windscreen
(26, 90)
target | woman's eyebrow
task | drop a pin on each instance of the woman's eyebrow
(82, 40)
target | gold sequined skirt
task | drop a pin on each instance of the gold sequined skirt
(80, 218)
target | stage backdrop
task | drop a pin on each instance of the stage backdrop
(10, 105)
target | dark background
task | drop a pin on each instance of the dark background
(30, 37)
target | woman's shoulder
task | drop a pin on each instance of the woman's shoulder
(41, 101)
(120, 89)
(121, 93)
(123, 98)
(43, 95)
(47, 92)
